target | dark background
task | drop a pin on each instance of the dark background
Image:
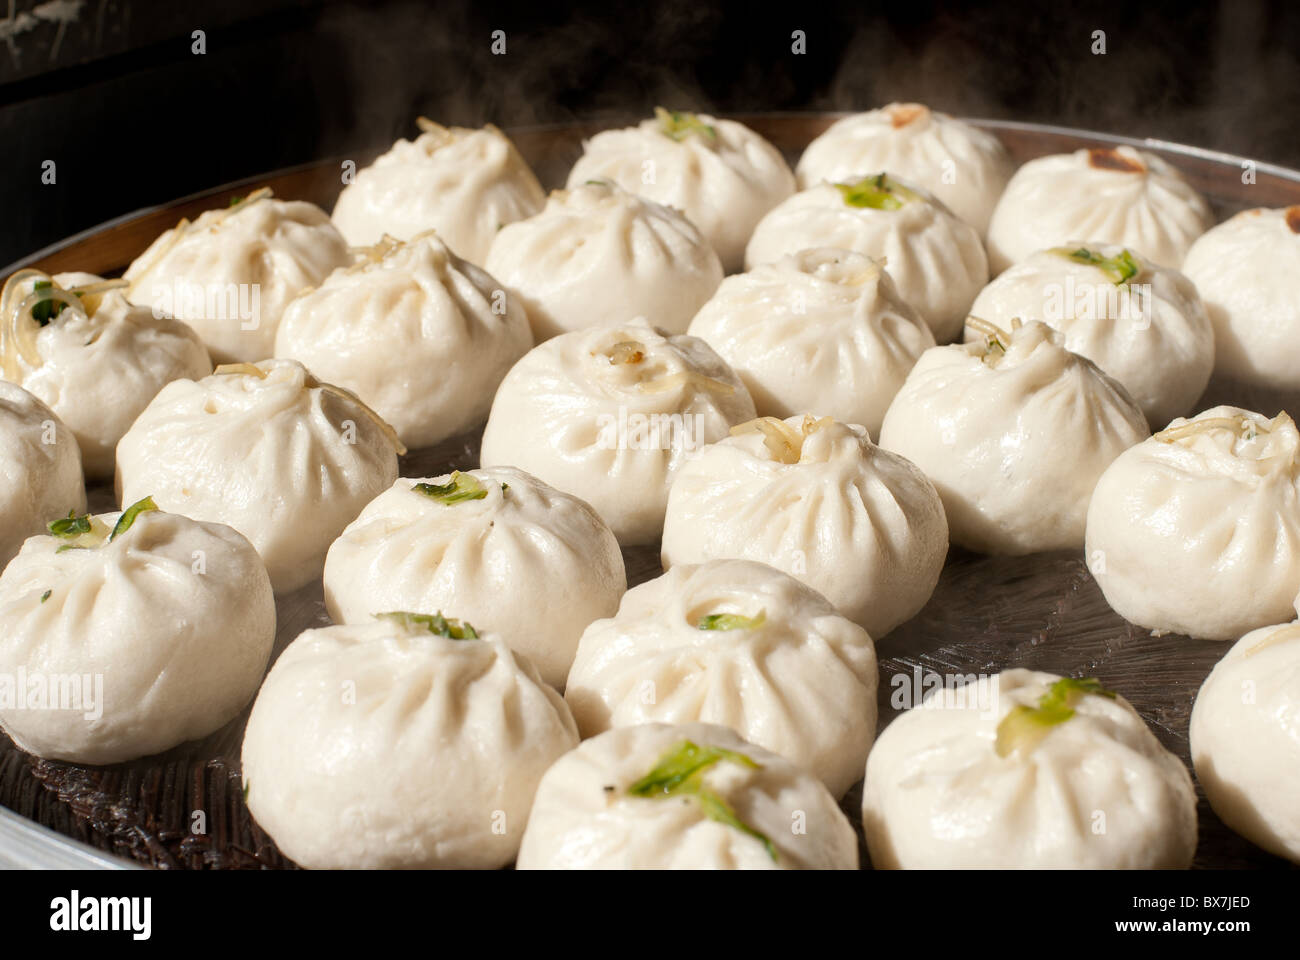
(112, 92)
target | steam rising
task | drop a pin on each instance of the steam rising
(1207, 81)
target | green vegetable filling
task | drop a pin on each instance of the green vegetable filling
(128, 516)
(70, 526)
(680, 124)
(463, 486)
(84, 532)
(680, 773)
(435, 623)
(732, 621)
(1119, 269)
(46, 310)
(879, 193)
(1023, 727)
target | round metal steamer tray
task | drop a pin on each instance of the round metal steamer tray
(987, 614)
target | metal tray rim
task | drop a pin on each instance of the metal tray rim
(1188, 150)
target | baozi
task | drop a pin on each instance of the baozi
(512, 555)
(688, 797)
(40, 469)
(935, 258)
(1248, 271)
(466, 184)
(739, 644)
(719, 173)
(965, 167)
(817, 499)
(610, 414)
(1101, 195)
(1244, 744)
(136, 631)
(407, 742)
(1026, 770)
(286, 460)
(231, 272)
(821, 329)
(74, 341)
(1014, 432)
(1141, 323)
(419, 334)
(598, 255)
(1197, 530)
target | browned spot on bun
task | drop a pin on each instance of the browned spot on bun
(1292, 216)
(900, 115)
(1111, 159)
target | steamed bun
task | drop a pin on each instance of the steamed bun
(416, 332)
(231, 272)
(284, 459)
(935, 258)
(1103, 195)
(597, 255)
(509, 553)
(821, 329)
(405, 743)
(817, 499)
(1014, 432)
(719, 173)
(1141, 323)
(98, 361)
(164, 624)
(610, 414)
(1248, 271)
(609, 805)
(1245, 739)
(739, 644)
(965, 167)
(40, 469)
(1026, 770)
(1197, 530)
(464, 183)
